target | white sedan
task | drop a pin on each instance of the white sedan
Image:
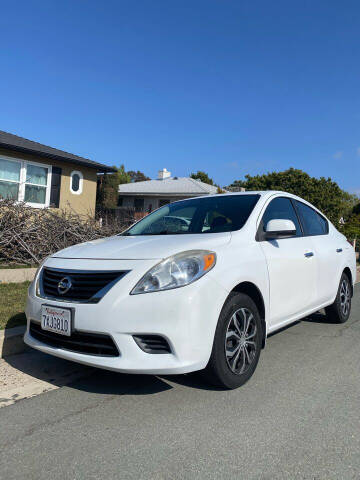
(203, 296)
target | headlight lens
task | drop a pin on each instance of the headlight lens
(176, 271)
(37, 276)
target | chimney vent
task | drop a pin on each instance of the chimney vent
(162, 174)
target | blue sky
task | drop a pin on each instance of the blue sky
(229, 87)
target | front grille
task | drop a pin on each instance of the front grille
(152, 343)
(87, 286)
(80, 342)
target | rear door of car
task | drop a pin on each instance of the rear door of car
(291, 266)
(327, 250)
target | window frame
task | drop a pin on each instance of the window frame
(81, 181)
(22, 181)
(260, 234)
(303, 223)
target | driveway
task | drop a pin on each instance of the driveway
(298, 418)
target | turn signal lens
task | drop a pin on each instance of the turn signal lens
(209, 261)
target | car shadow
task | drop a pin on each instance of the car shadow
(55, 371)
(33, 366)
(193, 380)
(11, 340)
(60, 372)
(317, 317)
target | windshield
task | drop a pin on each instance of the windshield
(220, 213)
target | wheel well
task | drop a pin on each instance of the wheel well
(254, 293)
(347, 272)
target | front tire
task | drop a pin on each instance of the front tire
(339, 311)
(237, 343)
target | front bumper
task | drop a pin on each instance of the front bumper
(186, 317)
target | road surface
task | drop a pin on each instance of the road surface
(297, 418)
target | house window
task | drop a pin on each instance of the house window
(163, 201)
(9, 179)
(25, 181)
(76, 182)
(139, 204)
(36, 184)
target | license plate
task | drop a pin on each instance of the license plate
(55, 319)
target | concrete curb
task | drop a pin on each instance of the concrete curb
(11, 341)
(17, 275)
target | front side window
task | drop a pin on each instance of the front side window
(313, 223)
(281, 209)
(24, 181)
(219, 213)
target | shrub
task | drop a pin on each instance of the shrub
(29, 235)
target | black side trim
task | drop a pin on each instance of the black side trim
(152, 343)
(80, 342)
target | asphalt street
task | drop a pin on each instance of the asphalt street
(297, 418)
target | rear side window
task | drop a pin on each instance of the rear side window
(313, 223)
(281, 209)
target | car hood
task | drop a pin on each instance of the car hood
(144, 247)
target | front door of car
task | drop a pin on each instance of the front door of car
(291, 266)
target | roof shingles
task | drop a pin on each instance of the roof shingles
(20, 144)
(168, 186)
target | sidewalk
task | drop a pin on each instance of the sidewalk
(16, 275)
(32, 373)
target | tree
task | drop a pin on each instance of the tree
(108, 186)
(137, 176)
(322, 192)
(351, 228)
(356, 209)
(202, 176)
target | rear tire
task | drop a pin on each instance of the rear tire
(339, 311)
(237, 343)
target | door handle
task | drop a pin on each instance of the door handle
(309, 254)
(339, 250)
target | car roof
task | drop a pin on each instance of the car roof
(262, 193)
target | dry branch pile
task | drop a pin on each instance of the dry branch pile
(29, 235)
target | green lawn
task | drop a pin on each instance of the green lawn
(12, 304)
(15, 265)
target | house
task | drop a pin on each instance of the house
(151, 194)
(43, 176)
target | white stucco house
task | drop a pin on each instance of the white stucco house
(151, 194)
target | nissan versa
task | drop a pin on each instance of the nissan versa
(196, 285)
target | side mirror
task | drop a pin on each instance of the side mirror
(280, 228)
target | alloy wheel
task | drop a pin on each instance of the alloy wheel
(240, 341)
(345, 297)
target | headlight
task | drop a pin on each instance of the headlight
(37, 276)
(176, 271)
